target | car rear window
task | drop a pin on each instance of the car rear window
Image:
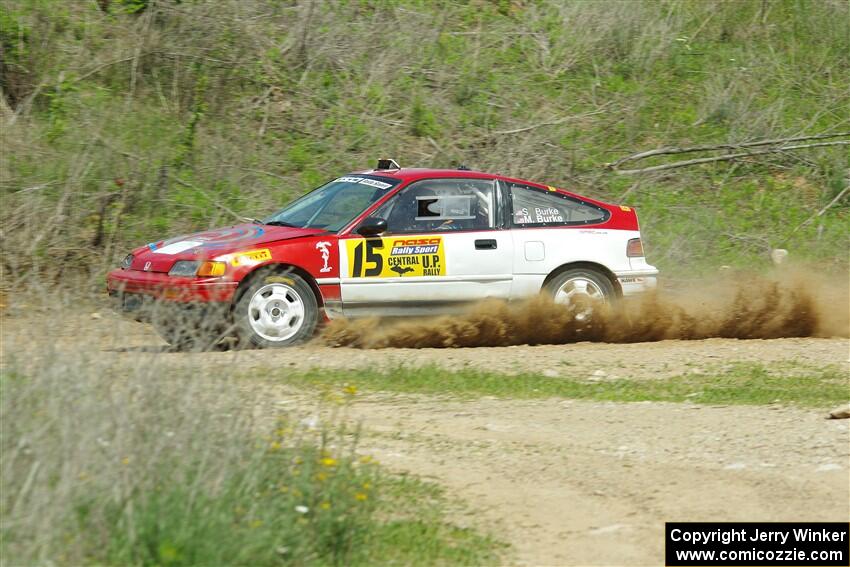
(537, 207)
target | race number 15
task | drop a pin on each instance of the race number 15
(372, 257)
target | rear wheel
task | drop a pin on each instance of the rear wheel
(582, 289)
(276, 311)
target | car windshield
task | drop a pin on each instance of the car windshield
(333, 205)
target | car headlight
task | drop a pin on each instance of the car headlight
(184, 268)
(127, 262)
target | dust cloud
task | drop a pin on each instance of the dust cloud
(740, 306)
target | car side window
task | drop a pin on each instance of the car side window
(438, 205)
(537, 207)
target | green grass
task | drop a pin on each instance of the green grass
(156, 469)
(420, 535)
(239, 124)
(352, 518)
(742, 383)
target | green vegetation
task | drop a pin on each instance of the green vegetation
(124, 121)
(415, 532)
(741, 383)
(149, 467)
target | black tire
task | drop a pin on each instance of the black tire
(290, 290)
(566, 288)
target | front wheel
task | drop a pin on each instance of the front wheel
(276, 311)
(582, 290)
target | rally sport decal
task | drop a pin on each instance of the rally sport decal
(396, 257)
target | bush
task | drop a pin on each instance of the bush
(212, 109)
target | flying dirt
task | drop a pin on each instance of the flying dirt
(742, 306)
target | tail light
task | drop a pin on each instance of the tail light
(634, 249)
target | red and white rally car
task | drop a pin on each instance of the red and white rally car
(388, 242)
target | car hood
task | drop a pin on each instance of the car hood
(211, 244)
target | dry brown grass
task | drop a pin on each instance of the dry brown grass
(122, 128)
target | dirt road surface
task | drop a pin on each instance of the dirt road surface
(129, 341)
(564, 482)
(584, 483)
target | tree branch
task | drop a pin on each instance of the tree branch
(168, 54)
(670, 151)
(726, 157)
(822, 211)
(548, 123)
(205, 194)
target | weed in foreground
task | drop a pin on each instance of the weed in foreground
(153, 468)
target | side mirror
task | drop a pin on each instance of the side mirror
(372, 226)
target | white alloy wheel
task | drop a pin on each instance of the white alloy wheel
(276, 312)
(581, 289)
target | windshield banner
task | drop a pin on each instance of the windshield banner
(364, 181)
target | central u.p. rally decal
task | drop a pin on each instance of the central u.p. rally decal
(396, 257)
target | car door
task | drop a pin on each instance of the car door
(445, 245)
(551, 229)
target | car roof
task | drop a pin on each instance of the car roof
(416, 173)
(408, 174)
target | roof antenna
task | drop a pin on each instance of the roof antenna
(387, 164)
(462, 167)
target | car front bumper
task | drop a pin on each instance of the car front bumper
(136, 293)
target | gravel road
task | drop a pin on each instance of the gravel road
(589, 483)
(564, 482)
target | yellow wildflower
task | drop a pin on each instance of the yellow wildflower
(325, 505)
(329, 462)
(361, 496)
(350, 389)
(274, 446)
(321, 476)
(168, 553)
